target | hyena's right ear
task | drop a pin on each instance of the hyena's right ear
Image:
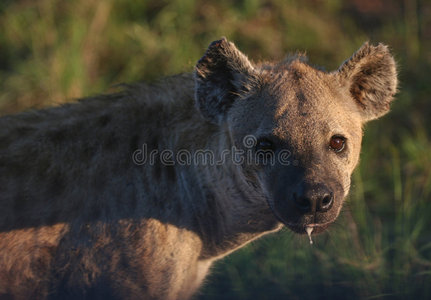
(219, 77)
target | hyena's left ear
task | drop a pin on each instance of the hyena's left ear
(371, 78)
(220, 76)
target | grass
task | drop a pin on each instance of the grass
(54, 51)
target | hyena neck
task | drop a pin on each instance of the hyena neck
(231, 217)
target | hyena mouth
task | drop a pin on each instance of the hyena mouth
(299, 227)
(302, 228)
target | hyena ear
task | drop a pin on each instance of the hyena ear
(371, 77)
(219, 78)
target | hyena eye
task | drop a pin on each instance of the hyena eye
(264, 145)
(337, 143)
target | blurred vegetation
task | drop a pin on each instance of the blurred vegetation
(53, 51)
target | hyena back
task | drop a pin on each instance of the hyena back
(96, 202)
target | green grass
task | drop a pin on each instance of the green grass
(54, 51)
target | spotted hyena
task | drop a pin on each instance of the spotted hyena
(134, 195)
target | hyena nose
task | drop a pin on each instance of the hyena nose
(317, 198)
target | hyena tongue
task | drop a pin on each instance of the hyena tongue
(309, 231)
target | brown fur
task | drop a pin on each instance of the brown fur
(79, 218)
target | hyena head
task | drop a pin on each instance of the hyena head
(294, 110)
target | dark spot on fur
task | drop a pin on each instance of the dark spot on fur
(111, 142)
(296, 75)
(300, 96)
(170, 172)
(42, 258)
(104, 120)
(134, 142)
(358, 92)
(23, 131)
(57, 136)
(301, 103)
(367, 71)
(44, 163)
(88, 152)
